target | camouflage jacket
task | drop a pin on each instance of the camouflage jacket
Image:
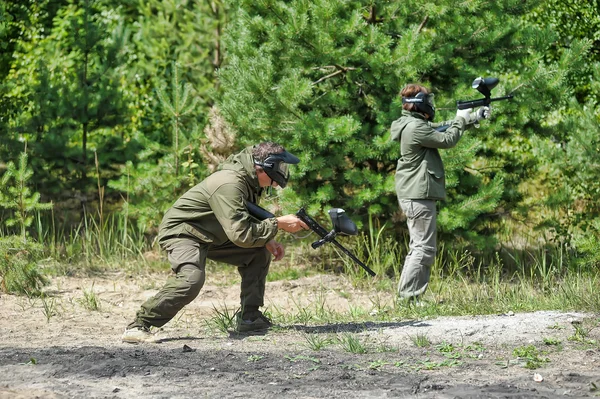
(214, 211)
(420, 170)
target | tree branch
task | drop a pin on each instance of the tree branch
(423, 24)
(331, 75)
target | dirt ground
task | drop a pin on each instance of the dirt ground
(59, 348)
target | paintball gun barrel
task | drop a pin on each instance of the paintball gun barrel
(342, 225)
(484, 86)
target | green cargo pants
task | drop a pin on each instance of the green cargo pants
(188, 259)
(421, 219)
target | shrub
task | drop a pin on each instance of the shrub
(19, 273)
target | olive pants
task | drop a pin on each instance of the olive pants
(188, 259)
(421, 219)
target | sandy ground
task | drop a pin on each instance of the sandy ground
(59, 348)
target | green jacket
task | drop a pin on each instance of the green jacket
(214, 211)
(420, 170)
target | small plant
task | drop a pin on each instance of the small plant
(16, 195)
(301, 357)
(383, 347)
(351, 344)
(446, 347)
(420, 340)
(19, 273)
(556, 326)
(222, 320)
(90, 300)
(582, 331)
(48, 307)
(431, 365)
(531, 355)
(316, 342)
(179, 107)
(551, 341)
(255, 358)
(377, 364)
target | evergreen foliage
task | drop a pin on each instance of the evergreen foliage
(179, 107)
(16, 196)
(572, 176)
(19, 273)
(66, 86)
(323, 78)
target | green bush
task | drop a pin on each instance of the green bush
(19, 273)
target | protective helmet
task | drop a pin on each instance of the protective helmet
(276, 166)
(424, 103)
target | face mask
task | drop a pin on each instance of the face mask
(276, 166)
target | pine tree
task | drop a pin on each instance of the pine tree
(178, 107)
(323, 77)
(65, 81)
(16, 196)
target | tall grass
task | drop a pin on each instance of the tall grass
(528, 274)
(95, 243)
(535, 274)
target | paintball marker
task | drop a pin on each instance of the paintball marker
(341, 225)
(484, 86)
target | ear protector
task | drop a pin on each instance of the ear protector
(424, 103)
(276, 166)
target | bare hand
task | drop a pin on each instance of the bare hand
(276, 249)
(291, 223)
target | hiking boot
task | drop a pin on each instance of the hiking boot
(252, 321)
(136, 335)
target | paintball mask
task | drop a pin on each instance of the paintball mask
(276, 166)
(424, 103)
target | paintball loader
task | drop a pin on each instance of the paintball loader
(484, 86)
(341, 225)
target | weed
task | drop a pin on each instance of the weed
(377, 364)
(48, 307)
(431, 365)
(316, 342)
(551, 341)
(222, 320)
(255, 358)
(420, 340)
(531, 355)
(32, 361)
(475, 347)
(582, 331)
(356, 312)
(383, 347)
(556, 326)
(445, 347)
(351, 344)
(90, 300)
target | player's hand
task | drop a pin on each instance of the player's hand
(291, 223)
(276, 249)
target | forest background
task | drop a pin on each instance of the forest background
(110, 110)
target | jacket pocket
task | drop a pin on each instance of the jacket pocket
(435, 184)
(191, 231)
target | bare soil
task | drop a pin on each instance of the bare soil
(59, 348)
